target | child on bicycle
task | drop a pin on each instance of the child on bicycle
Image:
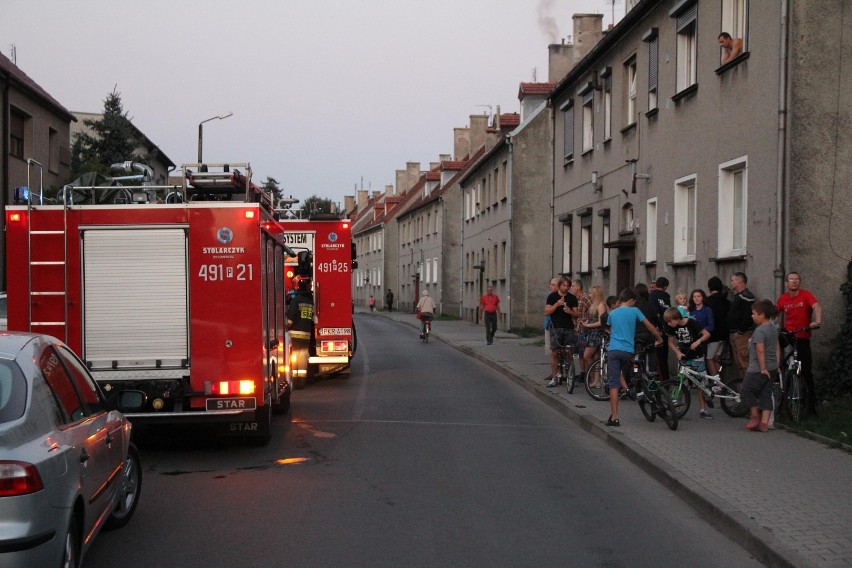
(687, 339)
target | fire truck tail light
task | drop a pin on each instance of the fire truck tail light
(227, 388)
(15, 217)
(249, 214)
(334, 346)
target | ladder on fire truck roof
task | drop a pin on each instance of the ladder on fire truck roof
(48, 291)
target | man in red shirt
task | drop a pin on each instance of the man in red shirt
(490, 303)
(801, 310)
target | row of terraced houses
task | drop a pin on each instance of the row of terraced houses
(643, 156)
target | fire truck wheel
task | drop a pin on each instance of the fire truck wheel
(283, 404)
(264, 426)
(299, 382)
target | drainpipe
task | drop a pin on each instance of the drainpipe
(552, 185)
(509, 272)
(4, 182)
(461, 254)
(782, 239)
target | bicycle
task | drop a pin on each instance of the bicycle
(711, 385)
(654, 398)
(791, 393)
(426, 327)
(564, 367)
(597, 374)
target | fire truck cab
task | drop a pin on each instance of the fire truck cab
(174, 291)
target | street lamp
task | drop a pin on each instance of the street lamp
(220, 117)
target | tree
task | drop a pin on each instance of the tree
(272, 187)
(315, 204)
(112, 139)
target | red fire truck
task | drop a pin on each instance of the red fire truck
(323, 253)
(176, 291)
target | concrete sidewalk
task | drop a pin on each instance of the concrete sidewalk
(786, 499)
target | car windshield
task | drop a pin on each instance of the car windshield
(13, 392)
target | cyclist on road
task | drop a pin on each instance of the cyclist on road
(426, 307)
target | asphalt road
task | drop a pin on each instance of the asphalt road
(423, 457)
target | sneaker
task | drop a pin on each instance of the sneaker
(552, 383)
(705, 414)
(614, 423)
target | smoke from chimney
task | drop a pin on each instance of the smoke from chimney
(546, 21)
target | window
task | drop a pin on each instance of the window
(504, 260)
(568, 132)
(733, 200)
(653, 66)
(504, 182)
(607, 103)
(687, 46)
(588, 120)
(586, 242)
(60, 384)
(627, 218)
(651, 231)
(53, 150)
(630, 92)
(17, 123)
(566, 248)
(605, 238)
(684, 219)
(434, 271)
(735, 21)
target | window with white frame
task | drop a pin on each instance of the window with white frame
(588, 120)
(607, 103)
(627, 218)
(605, 237)
(568, 131)
(504, 260)
(504, 181)
(735, 21)
(586, 243)
(630, 92)
(733, 200)
(687, 47)
(566, 248)
(651, 230)
(434, 271)
(685, 203)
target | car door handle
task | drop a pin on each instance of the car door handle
(84, 456)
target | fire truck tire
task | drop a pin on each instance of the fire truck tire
(283, 404)
(299, 382)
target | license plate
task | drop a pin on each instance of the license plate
(335, 331)
(241, 403)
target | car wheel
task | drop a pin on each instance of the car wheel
(70, 554)
(131, 489)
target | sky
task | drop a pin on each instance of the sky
(327, 96)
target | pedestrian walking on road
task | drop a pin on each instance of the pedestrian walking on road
(490, 303)
(372, 303)
(389, 300)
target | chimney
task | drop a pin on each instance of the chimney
(349, 203)
(559, 61)
(444, 158)
(478, 129)
(588, 31)
(461, 143)
(363, 196)
(401, 182)
(413, 171)
(389, 190)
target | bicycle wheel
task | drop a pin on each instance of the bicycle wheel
(732, 407)
(795, 400)
(647, 404)
(601, 390)
(665, 408)
(568, 374)
(680, 396)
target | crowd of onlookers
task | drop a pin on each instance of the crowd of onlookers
(701, 328)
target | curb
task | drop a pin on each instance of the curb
(735, 525)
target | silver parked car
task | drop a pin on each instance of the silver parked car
(67, 466)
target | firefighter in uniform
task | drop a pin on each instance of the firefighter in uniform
(300, 324)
